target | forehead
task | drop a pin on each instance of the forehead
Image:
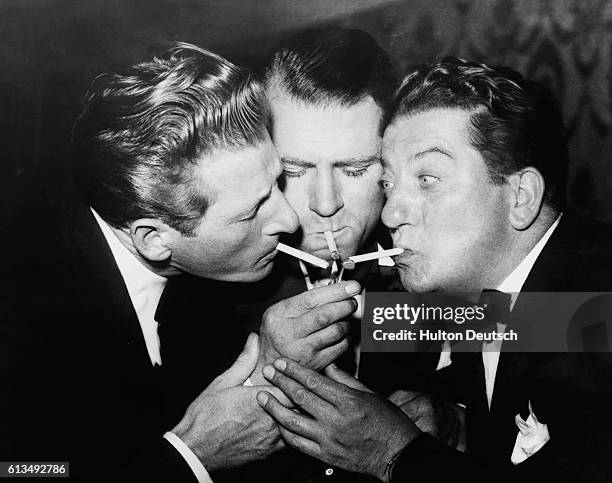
(409, 134)
(320, 133)
(238, 177)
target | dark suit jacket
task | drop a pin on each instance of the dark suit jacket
(242, 306)
(570, 392)
(78, 384)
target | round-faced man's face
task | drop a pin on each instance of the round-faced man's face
(441, 206)
(331, 161)
(247, 213)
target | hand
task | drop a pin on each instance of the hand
(308, 327)
(443, 420)
(224, 426)
(336, 409)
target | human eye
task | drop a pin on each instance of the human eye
(250, 216)
(428, 180)
(355, 172)
(293, 171)
(385, 183)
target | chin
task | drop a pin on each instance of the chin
(412, 282)
(254, 274)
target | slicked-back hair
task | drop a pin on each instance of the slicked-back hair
(333, 65)
(140, 137)
(514, 122)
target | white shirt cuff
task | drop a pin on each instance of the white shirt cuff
(192, 460)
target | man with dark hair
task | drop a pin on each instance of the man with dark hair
(178, 174)
(327, 89)
(475, 168)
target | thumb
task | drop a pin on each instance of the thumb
(334, 372)
(242, 368)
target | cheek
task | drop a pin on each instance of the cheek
(297, 194)
(363, 198)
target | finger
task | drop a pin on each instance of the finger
(325, 315)
(303, 445)
(401, 397)
(317, 384)
(291, 420)
(242, 368)
(307, 301)
(297, 393)
(334, 372)
(276, 392)
(329, 335)
(328, 355)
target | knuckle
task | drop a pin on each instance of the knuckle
(295, 423)
(294, 441)
(335, 332)
(351, 305)
(311, 382)
(321, 319)
(343, 346)
(300, 395)
(340, 329)
(307, 301)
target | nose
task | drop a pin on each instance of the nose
(400, 209)
(284, 219)
(325, 195)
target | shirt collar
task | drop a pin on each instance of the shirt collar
(136, 276)
(515, 281)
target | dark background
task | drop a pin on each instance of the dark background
(52, 49)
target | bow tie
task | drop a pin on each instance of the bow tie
(496, 304)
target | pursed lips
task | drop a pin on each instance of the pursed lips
(404, 258)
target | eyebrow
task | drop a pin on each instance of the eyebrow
(433, 149)
(341, 163)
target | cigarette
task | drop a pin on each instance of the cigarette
(331, 243)
(375, 255)
(307, 257)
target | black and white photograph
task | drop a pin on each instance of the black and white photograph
(306, 241)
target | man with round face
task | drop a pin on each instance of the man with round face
(475, 168)
(454, 223)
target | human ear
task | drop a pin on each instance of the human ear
(526, 196)
(150, 239)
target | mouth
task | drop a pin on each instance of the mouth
(403, 259)
(268, 257)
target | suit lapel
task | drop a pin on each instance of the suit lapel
(554, 270)
(99, 274)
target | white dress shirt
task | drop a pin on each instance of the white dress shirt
(512, 284)
(145, 289)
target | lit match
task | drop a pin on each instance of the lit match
(307, 257)
(375, 255)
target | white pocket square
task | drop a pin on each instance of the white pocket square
(532, 435)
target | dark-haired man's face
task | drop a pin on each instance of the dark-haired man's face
(247, 212)
(331, 161)
(442, 207)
